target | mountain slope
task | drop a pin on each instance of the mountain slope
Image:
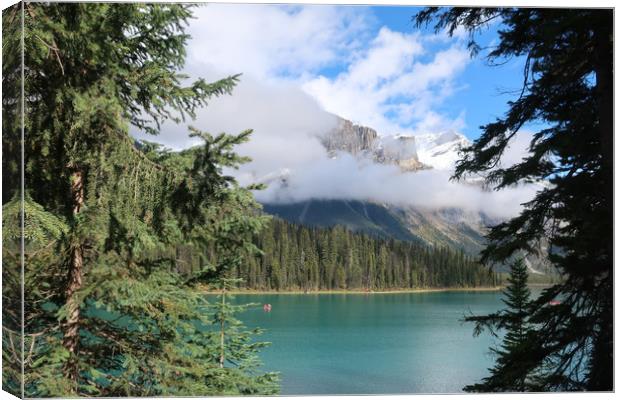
(446, 227)
(355, 215)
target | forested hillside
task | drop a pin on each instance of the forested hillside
(296, 257)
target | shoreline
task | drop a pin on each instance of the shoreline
(351, 291)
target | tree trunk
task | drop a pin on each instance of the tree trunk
(222, 353)
(600, 376)
(71, 327)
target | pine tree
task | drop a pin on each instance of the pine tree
(371, 272)
(382, 267)
(353, 267)
(508, 375)
(12, 229)
(567, 89)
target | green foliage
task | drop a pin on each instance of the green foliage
(295, 257)
(237, 353)
(567, 89)
(513, 370)
(42, 275)
(151, 227)
(11, 101)
(40, 227)
(142, 301)
(12, 262)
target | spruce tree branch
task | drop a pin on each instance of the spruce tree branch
(55, 50)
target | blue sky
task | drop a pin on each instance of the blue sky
(366, 64)
(482, 89)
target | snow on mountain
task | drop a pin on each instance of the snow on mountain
(440, 150)
(410, 152)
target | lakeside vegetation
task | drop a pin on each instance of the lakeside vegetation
(299, 258)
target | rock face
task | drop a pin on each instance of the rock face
(362, 141)
(350, 138)
(401, 151)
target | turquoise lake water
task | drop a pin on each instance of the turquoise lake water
(373, 344)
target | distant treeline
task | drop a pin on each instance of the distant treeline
(297, 257)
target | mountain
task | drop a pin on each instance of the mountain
(365, 142)
(444, 227)
(452, 227)
(357, 216)
(441, 151)
(411, 153)
(449, 227)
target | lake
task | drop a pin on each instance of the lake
(373, 344)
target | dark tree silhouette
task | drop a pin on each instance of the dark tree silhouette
(567, 86)
(506, 375)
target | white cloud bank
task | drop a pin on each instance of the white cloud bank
(346, 178)
(392, 82)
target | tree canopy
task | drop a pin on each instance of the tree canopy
(568, 90)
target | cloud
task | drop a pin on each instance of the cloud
(269, 41)
(518, 148)
(391, 81)
(346, 178)
(286, 124)
(391, 86)
(275, 48)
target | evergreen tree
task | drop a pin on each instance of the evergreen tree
(338, 258)
(13, 354)
(371, 272)
(567, 89)
(353, 266)
(508, 375)
(133, 232)
(236, 352)
(382, 266)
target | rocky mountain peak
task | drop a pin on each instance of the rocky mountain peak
(363, 141)
(350, 138)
